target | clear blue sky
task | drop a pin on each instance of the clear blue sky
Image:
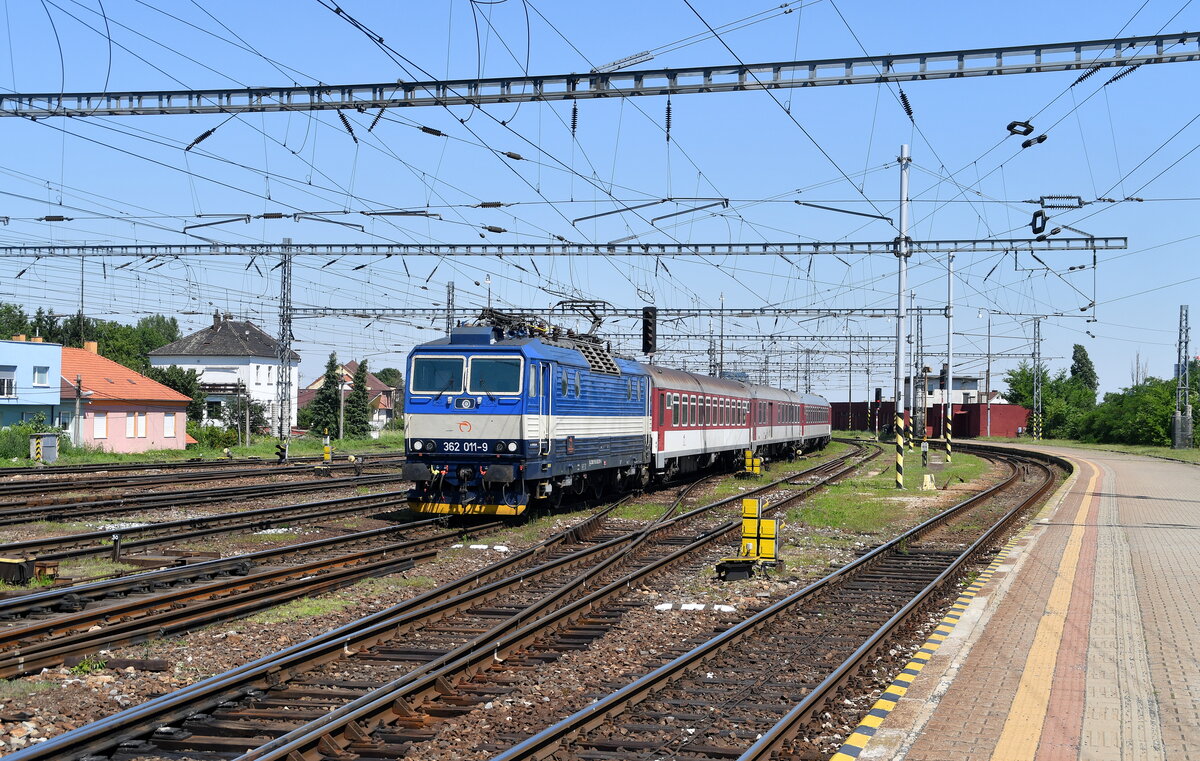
(127, 179)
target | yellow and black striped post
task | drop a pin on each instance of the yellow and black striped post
(1037, 427)
(948, 430)
(899, 450)
(37, 449)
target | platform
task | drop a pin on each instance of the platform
(1084, 642)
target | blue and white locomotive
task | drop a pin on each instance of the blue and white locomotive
(497, 416)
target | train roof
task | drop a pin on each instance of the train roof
(668, 378)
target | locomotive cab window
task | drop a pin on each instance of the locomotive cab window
(437, 375)
(495, 375)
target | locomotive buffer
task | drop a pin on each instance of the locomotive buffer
(758, 545)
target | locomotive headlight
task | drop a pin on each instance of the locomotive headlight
(512, 446)
(418, 445)
(500, 446)
(430, 445)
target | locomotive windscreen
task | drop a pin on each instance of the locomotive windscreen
(495, 375)
(437, 375)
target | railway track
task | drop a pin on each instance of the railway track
(412, 660)
(137, 538)
(758, 690)
(45, 486)
(155, 604)
(188, 497)
(173, 465)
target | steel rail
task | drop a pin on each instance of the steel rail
(75, 596)
(144, 719)
(785, 729)
(82, 545)
(340, 727)
(105, 734)
(43, 644)
(184, 496)
(195, 462)
(51, 485)
(548, 741)
(946, 64)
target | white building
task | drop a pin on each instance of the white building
(967, 390)
(232, 358)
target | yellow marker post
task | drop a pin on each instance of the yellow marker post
(326, 449)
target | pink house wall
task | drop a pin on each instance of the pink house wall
(117, 441)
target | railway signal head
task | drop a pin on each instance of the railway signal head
(649, 330)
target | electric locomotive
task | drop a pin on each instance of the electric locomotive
(498, 415)
(501, 414)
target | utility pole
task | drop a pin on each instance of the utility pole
(449, 306)
(246, 402)
(283, 383)
(341, 407)
(916, 367)
(902, 255)
(1182, 429)
(721, 347)
(76, 425)
(1037, 379)
(948, 402)
(910, 396)
(808, 371)
(987, 380)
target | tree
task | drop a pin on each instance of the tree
(324, 406)
(12, 321)
(235, 415)
(358, 410)
(391, 376)
(186, 382)
(1083, 371)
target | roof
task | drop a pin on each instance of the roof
(373, 383)
(224, 338)
(377, 399)
(111, 381)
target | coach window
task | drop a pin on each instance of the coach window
(662, 410)
(674, 409)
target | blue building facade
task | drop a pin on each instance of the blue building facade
(30, 381)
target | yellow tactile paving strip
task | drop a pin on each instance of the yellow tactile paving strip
(857, 741)
(866, 729)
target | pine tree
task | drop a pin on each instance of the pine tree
(1083, 371)
(358, 410)
(324, 406)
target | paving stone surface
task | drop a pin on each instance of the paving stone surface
(1085, 646)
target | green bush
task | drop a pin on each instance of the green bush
(14, 440)
(212, 436)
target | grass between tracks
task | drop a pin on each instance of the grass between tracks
(870, 503)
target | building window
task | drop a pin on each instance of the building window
(41, 376)
(64, 420)
(258, 375)
(141, 425)
(212, 410)
(169, 425)
(8, 380)
(99, 425)
(130, 426)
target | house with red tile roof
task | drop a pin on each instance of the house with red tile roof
(381, 398)
(121, 410)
